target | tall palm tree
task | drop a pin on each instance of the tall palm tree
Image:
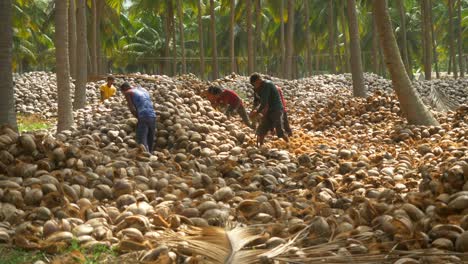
(460, 40)
(181, 32)
(81, 56)
(99, 55)
(200, 38)
(331, 36)
(308, 40)
(404, 42)
(427, 40)
(232, 12)
(172, 33)
(7, 100)
(452, 39)
(411, 105)
(282, 41)
(345, 42)
(72, 37)
(359, 89)
(213, 40)
(250, 39)
(375, 48)
(93, 37)
(258, 34)
(290, 40)
(434, 43)
(65, 115)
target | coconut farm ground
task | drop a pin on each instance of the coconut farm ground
(356, 184)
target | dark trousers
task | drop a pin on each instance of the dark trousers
(286, 126)
(145, 131)
(272, 120)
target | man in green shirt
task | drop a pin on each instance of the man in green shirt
(273, 116)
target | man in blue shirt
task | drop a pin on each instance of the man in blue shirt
(140, 104)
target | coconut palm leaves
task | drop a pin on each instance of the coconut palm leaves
(34, 49)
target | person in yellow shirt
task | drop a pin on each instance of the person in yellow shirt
(108, 89)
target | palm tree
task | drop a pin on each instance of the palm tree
(232, 12)
(290, 40)
(200, 39)
(307, 33)
(331, 36)
(359, 89)
(93, 38)
(99, 56)
(411, 105)
(375, 48)
(452, 39)
(172, 33)
(72, 37)
(250, 46)
(7, 100)
(213, 40)
(181, 32)
(404, 45)
(258, 34)
(282, 40)
(345, 67)
(460, 40)
(65, 115)
(81, 56)
(427, 40)
(434, 43)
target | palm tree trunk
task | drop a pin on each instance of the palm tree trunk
(231, 35)
(93, 47)
(167, 41)
(200, 40)
(258, 35)
(359, 89)
(173, 34)
(375, 48)
(331, 36)
(404, 41)
(81, 56)
(290, 40)
(410, 103)
(345, 42)
(434, 43)
(99, 54)
(427, 49)
(282, 40)
(250, 44)
(308, 40)
(460, 41)
(65, 115)
(72, 37)
(452, 40)
(213, 41)
(7, 100)
(181, 32)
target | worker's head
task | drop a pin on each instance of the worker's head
(125, 86)
(215, 90)
(110, 80)
(255, 80)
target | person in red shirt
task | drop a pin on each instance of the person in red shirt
(230, 99)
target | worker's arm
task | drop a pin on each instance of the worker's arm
(264, 96)
(102, 96)
(256, 101)
(130, 104)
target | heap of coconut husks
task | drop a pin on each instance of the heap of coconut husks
(356, 183)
